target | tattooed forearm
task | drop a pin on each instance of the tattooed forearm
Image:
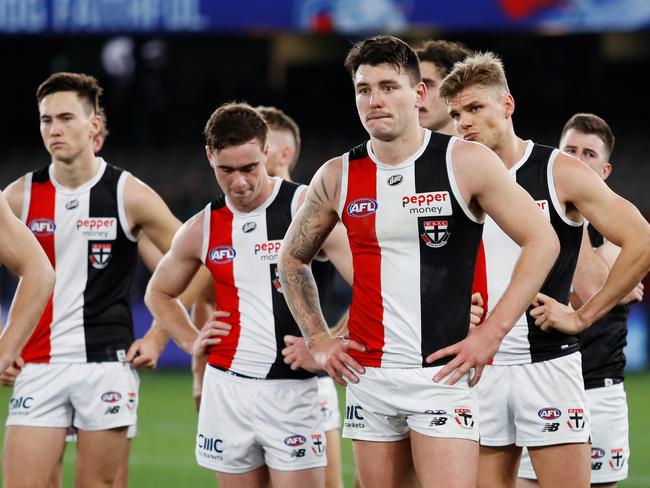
(301, 294)
(306, 234)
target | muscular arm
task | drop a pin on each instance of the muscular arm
(304, 238)
(616, 219)
(22, 254)
(591, 271)
(483, 181)
(173, 274)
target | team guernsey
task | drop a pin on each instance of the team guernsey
(241, 251)
(415, 242)
(86, 237)
(602, 344)
(527, 343)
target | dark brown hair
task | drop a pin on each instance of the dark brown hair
(234, 124)
(276, 119)
(384, 50)
(592, 124)
(86, 87)
(443, 54)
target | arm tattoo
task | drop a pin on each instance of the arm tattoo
(303, 241)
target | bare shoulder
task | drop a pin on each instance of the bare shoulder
(188, 241)
(574, 180)
(325, 186)
(14, 193)
(135, 190)
(473, 164)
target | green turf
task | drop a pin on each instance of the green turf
(163, 452)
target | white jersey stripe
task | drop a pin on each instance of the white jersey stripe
(68, 342)
(121, 211)
(454, 185)
(553, 192)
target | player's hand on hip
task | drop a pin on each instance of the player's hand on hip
(8, 376)
(211, 333)
(551, 314)
(297, 355)
(636, 295)
(476, 310)
(472, 352)
(331, 354)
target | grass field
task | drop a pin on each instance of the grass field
(163, 452)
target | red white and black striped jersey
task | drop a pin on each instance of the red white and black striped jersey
(526, 342)
(414, 243)
(85, 234)
(241, 251)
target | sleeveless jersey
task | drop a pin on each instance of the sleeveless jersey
(602, 344)
(414, 243)
(85, 234)
(241, 251)
(526, 342)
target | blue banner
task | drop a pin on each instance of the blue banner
(344, 16)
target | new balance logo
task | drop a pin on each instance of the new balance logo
(551, 427)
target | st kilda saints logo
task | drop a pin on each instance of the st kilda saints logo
(436, 233)
(100, 254)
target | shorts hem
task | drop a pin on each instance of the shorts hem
(610, 479)
(50, 425)
(226, 469)
(376, 437)
(98, 427)
(468, 437)
(527, 475)
(320, 464)
(330, 429)
(496, 442)
(552, 442)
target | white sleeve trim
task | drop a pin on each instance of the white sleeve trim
(206, 233)
(27, 197)
(121, 211)
(296, 198)
(454, 185)
(551, 189)
(345, 167)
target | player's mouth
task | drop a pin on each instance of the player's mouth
(377, 116)
(472, 136)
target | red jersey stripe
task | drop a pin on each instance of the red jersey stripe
(367, 310)
(220, 263)
(480, 281)
(41, 210)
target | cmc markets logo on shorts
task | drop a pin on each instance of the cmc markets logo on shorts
(210, 447)
(268, 251)
(42, 227)
(362, 207)
(20, 405)
(111, 397)
(222, 254)
(295, 440)
(549, 413)
(431, 203)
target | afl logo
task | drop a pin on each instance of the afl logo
(295, 440)
(549, 413)
(362, 207)
(111, 397)
(222, 254)
(395, 180)
(597, 453)
(42, 227)
(248, 227)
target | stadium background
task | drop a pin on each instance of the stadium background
(166, 64)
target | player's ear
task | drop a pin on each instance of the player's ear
(420, 94)
(508, 105)
(208, 154)
(607, 170)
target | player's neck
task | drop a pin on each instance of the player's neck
(511, 149)
(400, 149)
(75, 173)
(447, 129)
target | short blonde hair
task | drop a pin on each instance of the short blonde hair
(482, 69)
